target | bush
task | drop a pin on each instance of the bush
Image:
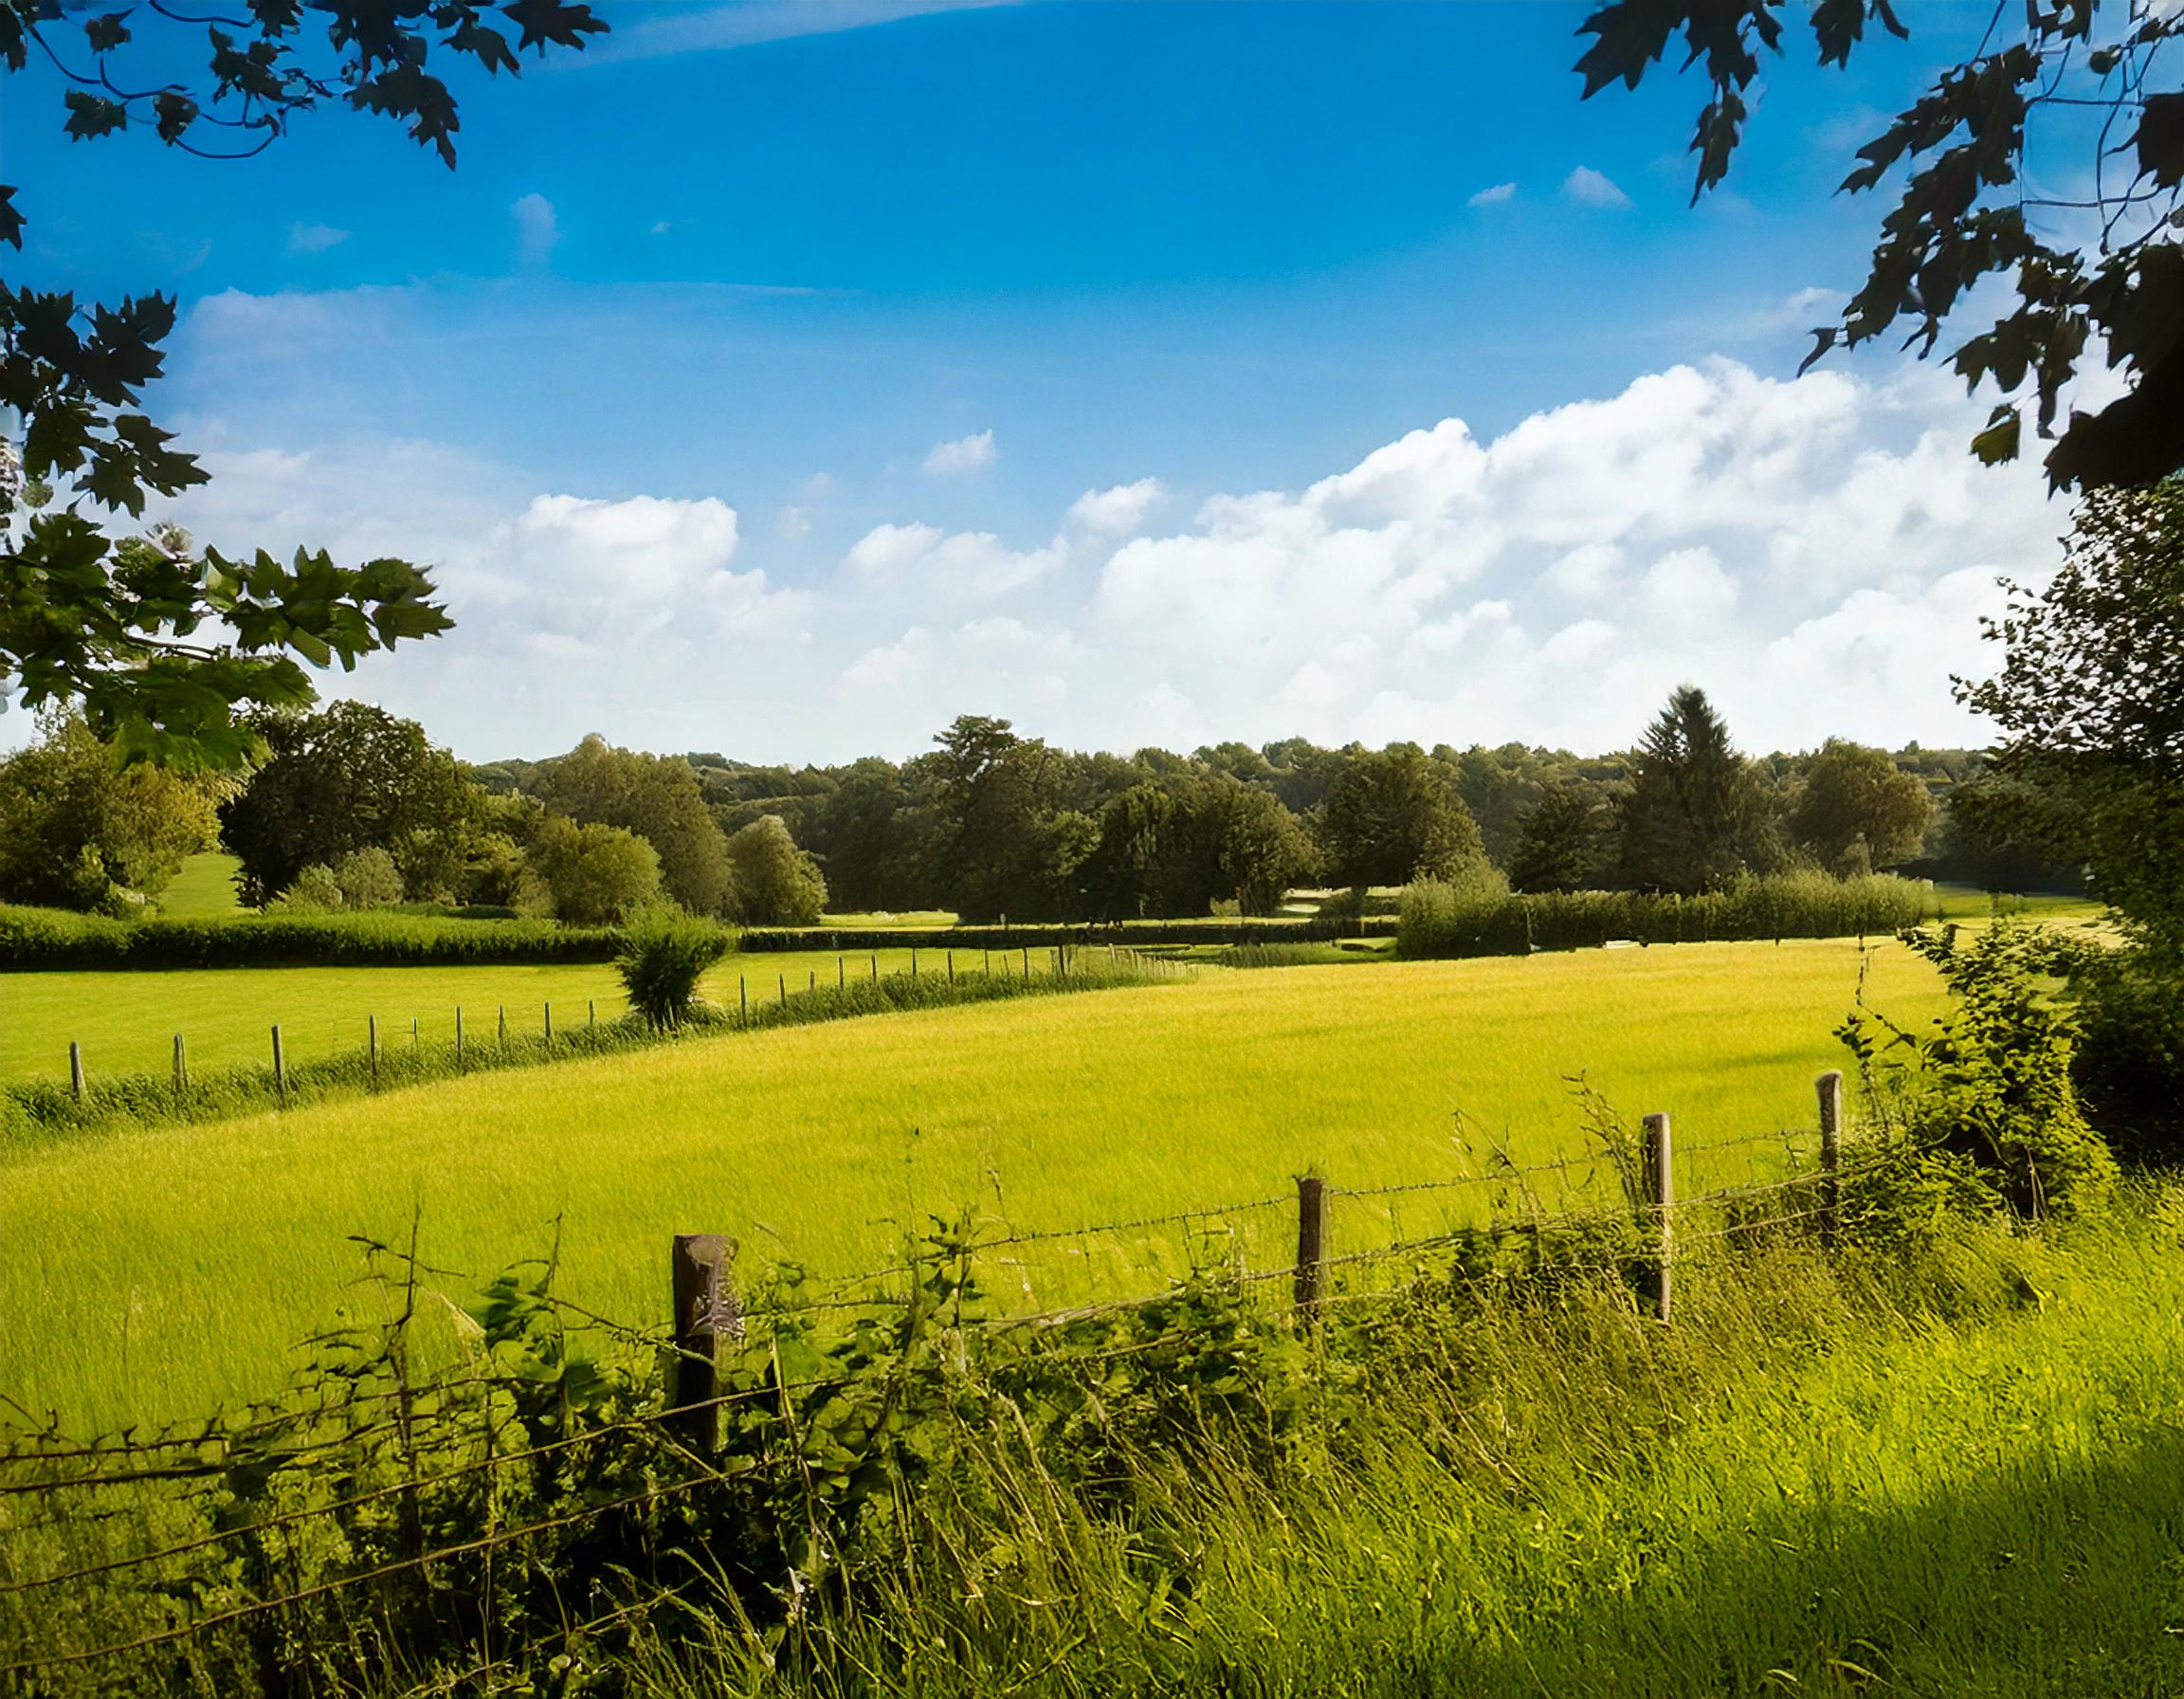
(2129, 1066)
(49, 938)
(775, 882)
(1991, 1088)
(664, 954)
(599, 874)
(1477, 919)
(368, 879)
(314, 891)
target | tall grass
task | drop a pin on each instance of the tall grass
(1440, 920)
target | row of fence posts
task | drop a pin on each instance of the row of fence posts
(372, 1049)
(706, 1309)
(1059, 959)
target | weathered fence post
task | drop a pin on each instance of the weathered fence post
(950, 970)
(875, 970)
(181, 1070)
(1830, 1087)
(913, 961)
(1026, 961)
(783, 979)
(280, 1067)
(1311, 1247)
(75, 1068)
(414, 1040)
(743, 998)
(549, 1007)
(705, 1308)
(591, 1011)
(372, 1046)
(1657, 1159)
(458, 1035)
(503, 1026)
(841, 973)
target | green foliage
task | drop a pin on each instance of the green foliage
(1963, 215)
(1990, 1085)
(657, 798)
(350, 777)
(80, 830)
(1696, 816)
(1440, 919)
(598, 875)
(664, 953)
(122, 628)
(1392, 816)
(1566, 842)
(775, 884)
(1858, 810)
(2128, 1067)
(2091, 700)
(46, 939)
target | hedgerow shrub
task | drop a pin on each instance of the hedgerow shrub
(56, 939)
(1440, 920)
(664, 953)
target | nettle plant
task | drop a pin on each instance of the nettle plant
(1987, 1089)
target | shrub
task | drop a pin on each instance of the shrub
(1474, 918)
(1992, 1085)
(368, 879)
(775, 882)
(2129, 1066)
(664, 953)
(315, 890)
(46, 938)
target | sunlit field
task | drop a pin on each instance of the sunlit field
(205, 886)
(126, 1021)
(150, 1273)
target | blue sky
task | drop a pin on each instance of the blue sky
(746, 377)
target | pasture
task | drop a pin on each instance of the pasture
(126, 1021)
(153, 1274)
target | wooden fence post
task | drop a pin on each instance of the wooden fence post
(181, 1070)
(1311, 1246)
(705, 1308)
(913, 961)
(950, 970)
(280, 1067)
(1831, 1088)
(841, 973)
(1026, 961)
(75, 1068)
(591, 1011)
(458, 1035)
(414, 1040)
(875, 970)
(743, 998)
(1660, 1177)
(783, 979)
(503, 1026)
(549, 1007)
(372, 1046)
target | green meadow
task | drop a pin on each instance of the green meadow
(126, 1020)
(152, 1273)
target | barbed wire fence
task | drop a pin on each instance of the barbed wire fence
(327, 1524)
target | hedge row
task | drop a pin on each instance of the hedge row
(53, 938)
(1443, 921)
(1133, 933)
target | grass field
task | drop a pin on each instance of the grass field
(203, 888)
(150, 1273)
(126, 1021)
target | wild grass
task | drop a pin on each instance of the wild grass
(1831, 1475)
(156, 1272)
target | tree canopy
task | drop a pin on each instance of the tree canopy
(166, 648)
(2080, 77)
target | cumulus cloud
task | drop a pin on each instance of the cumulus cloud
(963, 457)
(537, 229)
(1494, 196)
(1815, 551)
(1590, 188)
(1116, 512)
(314, 238)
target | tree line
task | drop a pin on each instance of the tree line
(351, 807)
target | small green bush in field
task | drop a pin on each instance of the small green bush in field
(664, 953)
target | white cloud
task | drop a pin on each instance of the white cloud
(963, 457)
(1815, 552)
(1500, 194)
(1590, 188)
(314, 238)
(792, 523)
(1116, 512)
(537, 229)
(663, 227)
